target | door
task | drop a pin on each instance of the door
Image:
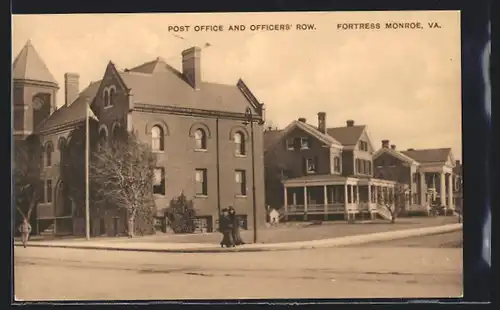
(102, 227)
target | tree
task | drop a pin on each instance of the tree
(73, 167)
(394, 203)
(28, 187)
(122, 174)
(181, 214)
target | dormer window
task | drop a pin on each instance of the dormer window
(304, 143)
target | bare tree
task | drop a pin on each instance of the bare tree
(27, 184)
(394, 203)
(123, 173)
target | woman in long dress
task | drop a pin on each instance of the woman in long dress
(226, 228)
(236, 226)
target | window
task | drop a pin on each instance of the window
(369, 170)
(311, 165)
(358, 166)
(239, 143)
(201, 182)
(304, 143)
(49, 149)
(290, 144)
(336, 164)
(159, 181)
(200, 138)
(102, 137)
(241, 183)
(48, 191)
(112, 96)
(157, 139)
(106, 98)
(363, 146)
(116, 131)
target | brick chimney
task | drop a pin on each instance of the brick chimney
(71, 87)
(322, 122)
(350, 123)
(191, 66)
(302, 120)
(385, 143)
(393, 146)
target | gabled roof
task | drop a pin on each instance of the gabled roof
(72, 113)
(429, 155)
(28, 65)
(157, 83)
(395, 153)
(347, 136)
(272, 137)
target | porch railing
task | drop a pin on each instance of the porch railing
(313, 208)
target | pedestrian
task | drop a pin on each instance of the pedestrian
(236, 226)
(25, 229)
(226, 228)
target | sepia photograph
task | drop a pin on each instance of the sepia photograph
(230, 156)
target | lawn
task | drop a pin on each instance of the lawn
(304, 231)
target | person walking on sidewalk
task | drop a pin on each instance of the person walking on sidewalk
(236, 226)
(226, 228)
(25, 229)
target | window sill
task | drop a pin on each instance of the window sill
(159, 195)
(304, 148)
(201, 196)
(158, 151)
(311, 172)
(240, 155)
(108, 107)
(240, 196)
(200, 150)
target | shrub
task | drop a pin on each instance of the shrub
(181, 214)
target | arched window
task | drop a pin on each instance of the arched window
(157, 138)
(103, 137)
(49, 149)
(106, 98)
(239, 143)
(201, 139)
(112, 95)
(62, 148)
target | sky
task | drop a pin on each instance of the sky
(404, 84)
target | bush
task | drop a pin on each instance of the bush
(181, 215)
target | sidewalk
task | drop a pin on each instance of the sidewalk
(114, 245)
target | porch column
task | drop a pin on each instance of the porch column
(352, 194)
(450, 191)
(357, 194)
(442, 188)
(370, 198)
(346, 200)
(305, 202)
(325, 193)
(423, 188)
(285, 201)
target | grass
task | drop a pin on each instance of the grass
(305, 231)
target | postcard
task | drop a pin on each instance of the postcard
(237, 156)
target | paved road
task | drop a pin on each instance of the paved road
(389, 269)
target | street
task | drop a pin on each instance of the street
(429, 266)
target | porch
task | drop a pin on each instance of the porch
(335, 195)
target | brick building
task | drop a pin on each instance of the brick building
(196, 128)
(316, 171)
(429, 173)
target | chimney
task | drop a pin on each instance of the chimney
(191, 68)
(322, 122)
(302, 120)
(393, 146)
(385, 143)
(410, 149)
(71, 87)
(350, 123)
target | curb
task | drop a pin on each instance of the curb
(325, 243)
